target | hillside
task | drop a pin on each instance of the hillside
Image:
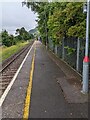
(33, 31)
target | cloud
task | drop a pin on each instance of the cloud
(4, 1)
(15, 16)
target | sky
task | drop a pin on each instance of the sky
(13, 16)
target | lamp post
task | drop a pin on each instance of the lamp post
(86, 58)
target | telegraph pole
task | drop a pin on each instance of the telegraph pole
(86, 60)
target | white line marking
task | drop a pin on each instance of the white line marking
(14, 78)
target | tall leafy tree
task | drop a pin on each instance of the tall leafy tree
(60, 19)
(23, 34)
(42, 8)
(7, 40)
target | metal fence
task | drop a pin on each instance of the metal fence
(71, 50)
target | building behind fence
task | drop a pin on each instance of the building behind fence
(71, 50)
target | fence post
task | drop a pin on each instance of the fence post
(78, 51)
(63, 50)
(55, 49)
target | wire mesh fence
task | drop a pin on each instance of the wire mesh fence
(71, 50)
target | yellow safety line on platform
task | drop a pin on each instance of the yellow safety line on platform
(29, 89)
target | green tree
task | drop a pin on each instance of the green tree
(42, 8)
(60, 19)
(22, 34)
(75, 20)
(7, 40)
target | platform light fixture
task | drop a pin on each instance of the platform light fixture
(84, 7)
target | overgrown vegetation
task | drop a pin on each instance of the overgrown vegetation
(6, 52)
(59, 19)
(10, 44)
(21, 36)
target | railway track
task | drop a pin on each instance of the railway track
(10, 66)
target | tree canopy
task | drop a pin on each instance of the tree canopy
(59, 19)
(21, 35)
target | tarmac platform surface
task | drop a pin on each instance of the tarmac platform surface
(55, 91)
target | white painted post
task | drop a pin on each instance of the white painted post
(55, 49)
(63, 50)
(78, 51)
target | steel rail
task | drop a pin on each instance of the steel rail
(15, 57)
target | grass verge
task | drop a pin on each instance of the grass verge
(6, 52)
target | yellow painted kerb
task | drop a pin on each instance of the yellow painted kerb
(29, 89)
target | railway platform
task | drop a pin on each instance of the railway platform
(45, 87)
